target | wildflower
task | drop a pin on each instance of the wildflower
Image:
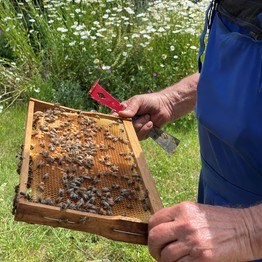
(72, 43)
(1, 108)
(124, 53)
(129, 10)
(149, 91)
(96, 61)
(147, 36)
(104, 67)
(125, 18)
(62, 29)
(7, 18)
(37, 90)
(175, 57)
(78, 10)
(154, 74)
(135, 35)
(99, 35)
(31, 20)
(190, 31)
(161, 30)
(193, 47)
(79, 27)
(19, 16)
(176, 31)
(96, 23)
(164, 56)
(85, 34)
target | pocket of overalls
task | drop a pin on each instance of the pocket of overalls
(229, 100)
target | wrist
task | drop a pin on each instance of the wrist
(180, 98)
(254, 230)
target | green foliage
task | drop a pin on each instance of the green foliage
(132, 49)
(70, 94)
(5, 50)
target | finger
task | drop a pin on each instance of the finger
(143, 133)
(130, 108)
(174, 251)
(142, 125)
(164, 215)
(160, 236)
(114, 113)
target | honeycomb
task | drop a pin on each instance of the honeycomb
(84, 161)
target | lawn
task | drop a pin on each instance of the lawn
(175, 175)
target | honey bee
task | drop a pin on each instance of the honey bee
(119, 199)
(43, 128)
(45, 176)
(114, 168)
(128, 158)
(41, 164)
(105, 189)
(61, 192)
(41, 188)
(133, 166)
(129, 206)
(42, 143)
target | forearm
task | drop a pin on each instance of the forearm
(181, 97)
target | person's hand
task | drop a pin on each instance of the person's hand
(196, 232)
(149, 109)
(161, 107)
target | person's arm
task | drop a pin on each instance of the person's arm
(181, 97)
(163, 106)
(197, 232)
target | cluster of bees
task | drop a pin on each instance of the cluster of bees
(84, 161)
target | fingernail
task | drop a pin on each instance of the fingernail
(149, 125)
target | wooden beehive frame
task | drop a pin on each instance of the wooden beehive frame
(116, 227)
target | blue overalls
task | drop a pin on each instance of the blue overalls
(229, 112)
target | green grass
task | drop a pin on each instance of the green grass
(175, 175)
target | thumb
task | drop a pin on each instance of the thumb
(130, 108)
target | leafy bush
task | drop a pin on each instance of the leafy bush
(5, 49)
(69, 44)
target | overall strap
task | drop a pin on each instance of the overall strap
(244, 13)
(208, 22)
